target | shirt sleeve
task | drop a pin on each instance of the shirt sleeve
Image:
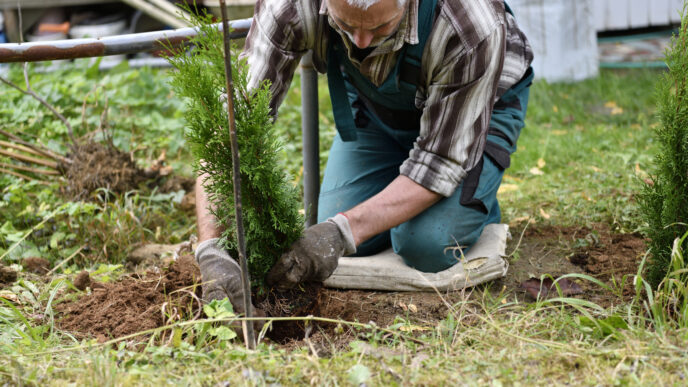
(460, 93)
(278, 37)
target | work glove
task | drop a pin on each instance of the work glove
(221, 275)
(314, 256)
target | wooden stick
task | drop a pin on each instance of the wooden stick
(29, 159)
(21, 176)
(64, 261)
(171, 9)
(19, 148)
(157, 13)
(46, 172)
(43, 151)
(249, 334)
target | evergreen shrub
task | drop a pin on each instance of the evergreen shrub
(270, 202)
(664, 198)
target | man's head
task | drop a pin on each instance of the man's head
(367, 23)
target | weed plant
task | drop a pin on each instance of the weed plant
(663, 200)
(270, 201)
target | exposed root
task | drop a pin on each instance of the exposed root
(96, 166)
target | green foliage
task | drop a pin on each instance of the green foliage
(663, 200)
(667, 306)
(270, 202)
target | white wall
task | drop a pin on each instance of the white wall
(625, 14)
(562, 34)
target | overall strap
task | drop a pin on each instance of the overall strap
(410, 68)
(407, 70)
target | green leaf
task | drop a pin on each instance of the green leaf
(55, 239)
(177, 337)
(219, 309)
(222, 333)
(358, 374)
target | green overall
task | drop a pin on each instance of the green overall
(377, 127)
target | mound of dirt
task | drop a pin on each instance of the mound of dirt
(82, 281)
(7, 275)
(36, 265)
(135, 303)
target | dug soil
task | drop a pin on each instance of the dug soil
(135, 303)
(141, 302)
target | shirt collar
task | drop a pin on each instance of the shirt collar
(406, 33)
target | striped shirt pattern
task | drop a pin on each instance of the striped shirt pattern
(475, 53)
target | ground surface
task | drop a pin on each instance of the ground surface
(140, 302)
(569, 198)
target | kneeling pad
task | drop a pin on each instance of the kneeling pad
(387, 270)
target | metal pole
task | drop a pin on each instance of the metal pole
(311, 141)
(249, 335)
(110, 45)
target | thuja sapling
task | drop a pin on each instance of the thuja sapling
(271, 202)
(663, 201)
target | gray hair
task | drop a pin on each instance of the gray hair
(365, 4)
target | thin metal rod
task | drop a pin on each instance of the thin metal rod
(249, 334)
(310, 140)
(110, 45)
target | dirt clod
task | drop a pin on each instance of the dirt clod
(82, 280)
(546, 288)
(36, 265)
(7, 275)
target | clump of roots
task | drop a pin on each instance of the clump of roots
(96, 166)
(88, 167)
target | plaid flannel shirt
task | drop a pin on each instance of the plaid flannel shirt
(475, 53)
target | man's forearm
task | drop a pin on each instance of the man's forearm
(400, 201)
(205, 220)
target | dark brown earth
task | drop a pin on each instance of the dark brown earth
(556, 251)
(7, 275)
(36, 265)
(82, 280)
(598, 252)
(302, 301)
(134, 303)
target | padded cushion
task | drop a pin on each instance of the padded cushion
(387, 270)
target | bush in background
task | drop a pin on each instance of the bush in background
(664, 198)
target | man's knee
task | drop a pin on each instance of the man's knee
(435, 247)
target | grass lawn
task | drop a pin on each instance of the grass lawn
(580, 162)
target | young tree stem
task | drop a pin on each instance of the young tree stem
(249, 334)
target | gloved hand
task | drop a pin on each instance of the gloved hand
(314, 256)
(221, 275)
